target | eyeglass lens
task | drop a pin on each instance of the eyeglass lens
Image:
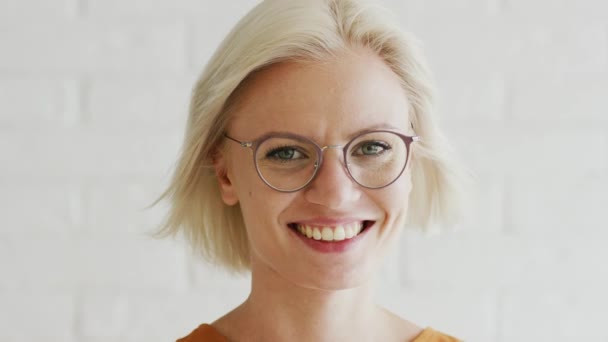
(374, 160)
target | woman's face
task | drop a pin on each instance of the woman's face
(328, 103)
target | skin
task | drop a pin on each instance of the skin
(298, 293)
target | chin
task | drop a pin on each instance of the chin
(334, 279)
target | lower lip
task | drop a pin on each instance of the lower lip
(332, 246)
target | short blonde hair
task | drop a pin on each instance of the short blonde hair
(297, 30)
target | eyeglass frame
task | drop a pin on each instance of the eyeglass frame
(254, 144)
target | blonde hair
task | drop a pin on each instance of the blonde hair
(296, 30)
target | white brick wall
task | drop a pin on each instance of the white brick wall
(93, 98)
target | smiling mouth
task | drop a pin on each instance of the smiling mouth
(331, 233)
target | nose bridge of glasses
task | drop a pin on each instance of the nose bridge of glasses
(323, 148)
(339, 148)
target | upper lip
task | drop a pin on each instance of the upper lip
(329, 221)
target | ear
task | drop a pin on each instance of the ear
(227, 190)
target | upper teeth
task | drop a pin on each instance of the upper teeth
(327, 233)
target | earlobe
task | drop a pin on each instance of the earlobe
(227, 190)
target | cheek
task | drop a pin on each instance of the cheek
(260, 205)
(395, 199)
(400, 190)
(245, 179)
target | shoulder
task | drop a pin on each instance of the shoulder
(203, 333)
(431, 335)
(404, 330)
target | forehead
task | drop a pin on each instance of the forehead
(325, 100)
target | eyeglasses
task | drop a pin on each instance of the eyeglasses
(289, 162)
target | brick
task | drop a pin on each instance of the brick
(115, 207)
(470, 98)
(18, 107)
(207, 22)
(214, 278)
(558, 205)
(485, 45)
(486, 212)
(206, 34)
(578, 96)
(531, 149)
(573, 47)
(90, 152)
(120, 317)
(484, 261)
(108, 264)
(138, 102)
(476, 261)
(564, 10)
(38, 8)
(538, 151)
(36, 262)
(568, 263)
(56, 207)
(36, 317)
(389, 272)
(554, 315)
(164, 8)
(92, 262)
(443, 310)
(32, 101)
(456, 261)
(95, 47)
(471, 46)
(118, 153)
(408, 11)
(104, 315)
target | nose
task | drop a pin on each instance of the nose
(332, 187)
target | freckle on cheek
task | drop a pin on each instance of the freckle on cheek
(250, 194)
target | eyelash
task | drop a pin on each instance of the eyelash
(271, 151)
(383, 145)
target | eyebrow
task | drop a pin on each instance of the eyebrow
(373, 127)
(379, 126)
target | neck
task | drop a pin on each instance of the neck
(279, 310)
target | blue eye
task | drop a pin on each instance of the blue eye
(371, 148)
(286, 153)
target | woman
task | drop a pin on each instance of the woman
(309, 146)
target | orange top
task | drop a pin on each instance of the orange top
(206, 333)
